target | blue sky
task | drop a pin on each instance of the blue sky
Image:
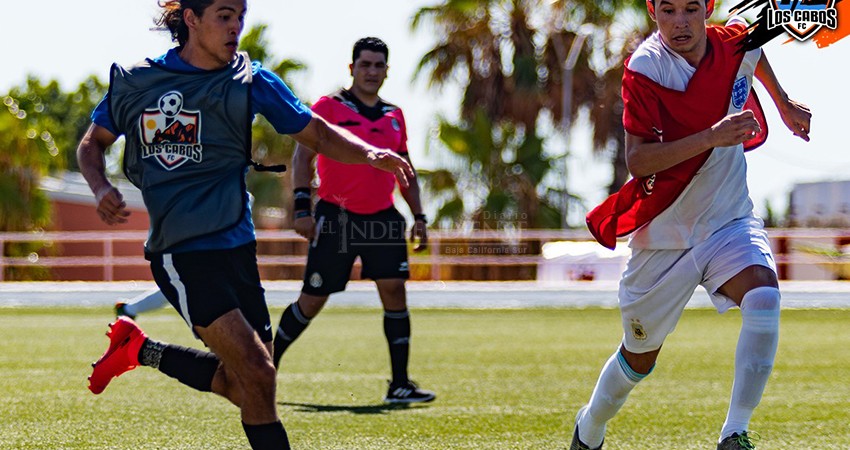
(69, 40)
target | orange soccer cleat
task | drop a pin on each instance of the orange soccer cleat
(125, 341)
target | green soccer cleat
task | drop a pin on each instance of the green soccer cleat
(120, 310)
(738, 442)
(577, 444)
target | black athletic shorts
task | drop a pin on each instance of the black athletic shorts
(378, 239)
(204, 285)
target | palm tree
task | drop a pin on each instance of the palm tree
(509, 55)
(270, 190)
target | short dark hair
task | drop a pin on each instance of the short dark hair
(172, 16)
(372, 44)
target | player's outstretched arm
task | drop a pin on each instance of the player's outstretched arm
(339, 144)
(797, 116)
(90, 157)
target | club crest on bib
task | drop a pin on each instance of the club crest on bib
(740, 92)
(170, 133)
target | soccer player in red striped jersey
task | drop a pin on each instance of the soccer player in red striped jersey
(355, 217)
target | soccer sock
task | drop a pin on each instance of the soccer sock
(397, 331)
(615, 382)
(192, 367)
(753, 357)
(292, 324)
(145, 302)
(268, 436)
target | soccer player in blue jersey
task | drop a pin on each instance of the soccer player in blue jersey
(186, 117)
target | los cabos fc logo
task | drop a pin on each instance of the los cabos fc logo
(170, 133)
(802, 18)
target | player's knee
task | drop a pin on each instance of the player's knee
(311, 305)
(258, 370)
(760, 309)
(638, 363)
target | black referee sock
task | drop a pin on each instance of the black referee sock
(397, 331)
(292, 324)
(268, 436)
(194, 368)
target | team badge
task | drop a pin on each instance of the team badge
(395, 124)
(740, 91)
(170, 133)
(648, 184)
(316, 280)
(802, 18)
(637, 330)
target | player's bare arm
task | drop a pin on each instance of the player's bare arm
(796, 116)
(339, 144)
(90, 156)
(419, 232)
(646, 158)
(302, 176)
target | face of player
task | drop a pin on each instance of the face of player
(214, 36)
(682, 27)
(368, 72)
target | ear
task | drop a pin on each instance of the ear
(351, 69)
(708, 13)
(189, 18)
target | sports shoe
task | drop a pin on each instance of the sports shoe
(577, 444)
(125, 341)
(738, 442)
(121, 311)
(408, 392)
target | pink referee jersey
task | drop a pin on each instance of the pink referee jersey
(360, 188)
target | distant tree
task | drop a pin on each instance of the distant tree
(28, 153)
(272, 192)
(509, 57)
(64, 115)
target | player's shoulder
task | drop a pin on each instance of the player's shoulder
(648, 58)
(389, 108)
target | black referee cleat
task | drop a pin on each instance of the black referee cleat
(408, 392)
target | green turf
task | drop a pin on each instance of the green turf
(506, 379)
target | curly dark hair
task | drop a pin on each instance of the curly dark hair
(172, 17)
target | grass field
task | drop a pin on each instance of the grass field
(505, 379)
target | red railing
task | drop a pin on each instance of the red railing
(107, 251)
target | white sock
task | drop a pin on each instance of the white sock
(753, 356)
(146, 302)
(615, 382)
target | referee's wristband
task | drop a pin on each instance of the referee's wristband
(420, 217)
(302, 200)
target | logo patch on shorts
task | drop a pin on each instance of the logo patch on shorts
(637, 330)
(404, 267)
(316, 280)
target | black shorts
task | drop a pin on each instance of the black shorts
(205, 285)
(378, 239)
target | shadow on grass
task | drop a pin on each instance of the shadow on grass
(354, 409)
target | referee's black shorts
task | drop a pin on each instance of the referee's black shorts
(378, 239)
(204, 285)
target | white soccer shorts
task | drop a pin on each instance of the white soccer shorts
(657, 284)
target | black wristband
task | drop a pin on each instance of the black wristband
(302, 200)
(300, 214)
(420, 217)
